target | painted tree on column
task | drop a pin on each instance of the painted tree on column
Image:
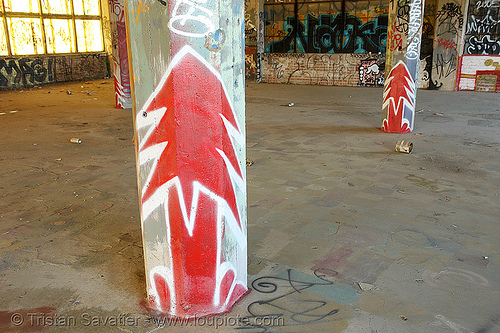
(398, 107)
(399, 100)
(190, 149)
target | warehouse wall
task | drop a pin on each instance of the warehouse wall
(324, 69)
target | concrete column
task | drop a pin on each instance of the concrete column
(402, 61)
(187, 60)
(447, 43)
(261, 26)
(120, 54)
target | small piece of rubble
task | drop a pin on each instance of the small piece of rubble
(365, 286)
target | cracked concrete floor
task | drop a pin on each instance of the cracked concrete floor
(344, 234)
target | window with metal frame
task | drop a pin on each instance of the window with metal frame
(325, 26)
(29, 27)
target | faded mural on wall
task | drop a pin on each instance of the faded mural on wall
(191, 152)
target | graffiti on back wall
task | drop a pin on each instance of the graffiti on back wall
(31, 71)
(450, 19)
(371, 72)
(26, 72)
(324, 69)
(482, 36)
(250, 22)
(484, 46)
(449, 24)
(325, 34)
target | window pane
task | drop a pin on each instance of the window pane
(89, 36)
(56, 6)
(86, 7)
(78, 7)
(24, 6)
(59, 34)
(25, 36)
(3, 40)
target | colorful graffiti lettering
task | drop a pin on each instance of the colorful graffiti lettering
(326, 35)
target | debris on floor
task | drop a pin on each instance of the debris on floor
(403, 146)
(249, 162)
(365, 286)
(75, 140)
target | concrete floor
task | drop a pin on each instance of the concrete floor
(345, 234)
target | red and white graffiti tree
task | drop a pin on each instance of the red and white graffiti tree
(398, 108)
(399, 98)
(189, 106)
